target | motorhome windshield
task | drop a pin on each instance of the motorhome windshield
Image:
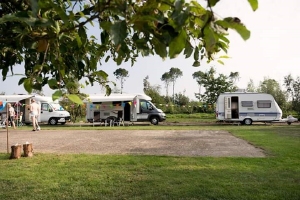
(56, 106)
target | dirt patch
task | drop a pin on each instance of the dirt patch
(134, 142)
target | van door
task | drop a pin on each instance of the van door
(227, 108)
(45, 112)
(135, 109)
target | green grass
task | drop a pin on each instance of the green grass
(52, 176)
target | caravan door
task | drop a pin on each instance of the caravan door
(135, 109)
(227, 108)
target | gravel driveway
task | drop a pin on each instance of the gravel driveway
(135, 142)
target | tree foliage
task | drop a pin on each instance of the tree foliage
(214, 84)
(166, 78)
(271, 86)
(174, 74)
(121, 74)
(293, 89)
(50, 37)
(153, 91)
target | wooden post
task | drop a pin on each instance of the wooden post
(16, 151)
(28, 150)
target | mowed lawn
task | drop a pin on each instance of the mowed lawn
(52, 176)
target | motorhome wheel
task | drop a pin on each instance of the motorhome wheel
(52, 121)
(154, 120)
(289, 123)
(248, 121)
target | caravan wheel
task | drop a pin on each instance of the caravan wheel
(247, 121)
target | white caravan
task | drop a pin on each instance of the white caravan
(128, 107)
(51, 112)
(247, 108)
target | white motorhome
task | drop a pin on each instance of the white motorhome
(247, 108)
(51, 112)
(128, 107)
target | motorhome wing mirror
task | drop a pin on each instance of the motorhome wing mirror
(50, 110)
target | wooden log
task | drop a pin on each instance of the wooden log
(28, 150)
(16, 151)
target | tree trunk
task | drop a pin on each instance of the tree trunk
(28, 150)
(16, 151)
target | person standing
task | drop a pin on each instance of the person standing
(34, 113)
(11, 115)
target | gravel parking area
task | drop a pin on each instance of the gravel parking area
(134, 142)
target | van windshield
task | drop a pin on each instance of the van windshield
(56, 106)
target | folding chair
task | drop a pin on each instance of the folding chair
(20, 121)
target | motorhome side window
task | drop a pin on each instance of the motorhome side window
(247, 103)
(45, 107)
(264, 104)
(145, 105)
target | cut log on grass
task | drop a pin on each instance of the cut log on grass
(16, 151)
(28, 150)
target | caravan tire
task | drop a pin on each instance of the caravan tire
(52, 121)
(154, 120)
(247, 121)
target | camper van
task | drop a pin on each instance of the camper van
(247, 108)
(51, 112)
(128, 107)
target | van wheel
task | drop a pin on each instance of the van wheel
(247, 121)
(289, 123)
(52, 121)
(154, 120)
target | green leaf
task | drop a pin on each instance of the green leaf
(209, 38)
(37, 68)
(28, 85)
(221, 62)
(21, 81)
(34, 7)
(56, 95)
(78, 39)
(61, 12)
(254, 4)
(177, 44)
(225, 56)
(52, 83)
(230, 22)
(107, 58)
(160, 48)
(75, 98)
(196, 63)
(188, 49)
(213, 2)
(108, 90)
(196, 54)
(118, 32)
(82, 35)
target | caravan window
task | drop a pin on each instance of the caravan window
(247, 103)
(264, 104)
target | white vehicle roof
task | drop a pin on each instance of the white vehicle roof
(14, 98)
(116, 97)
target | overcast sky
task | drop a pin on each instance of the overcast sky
(271, 51)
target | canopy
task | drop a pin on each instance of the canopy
(14, 98)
